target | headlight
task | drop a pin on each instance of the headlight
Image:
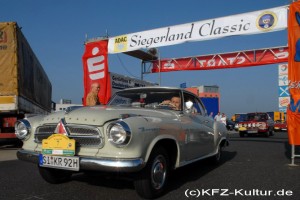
(22, 129)
(262, 125)
(119, 133)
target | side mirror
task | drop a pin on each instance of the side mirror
(189, 106)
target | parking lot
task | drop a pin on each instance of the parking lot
(251, 167)
(7, 152)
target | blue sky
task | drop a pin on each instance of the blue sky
(56, 31)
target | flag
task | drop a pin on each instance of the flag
(95, 69)
(293, 111)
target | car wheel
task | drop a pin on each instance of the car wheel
(55, 176)
(216, 158)
(271, 132)
(151, 181)
(242, 134)
(267, 134)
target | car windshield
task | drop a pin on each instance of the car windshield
(154, 98)
(257, 116)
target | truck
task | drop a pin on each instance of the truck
(239, 117)
(211, 105)
(277, 115)
(25, 88)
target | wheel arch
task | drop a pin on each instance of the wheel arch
(170, 145)
(224, 142)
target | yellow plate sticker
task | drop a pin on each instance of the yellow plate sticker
(58, 144)
(242, 129)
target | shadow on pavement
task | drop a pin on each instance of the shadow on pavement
(177, 177)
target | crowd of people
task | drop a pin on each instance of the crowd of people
(219, 117)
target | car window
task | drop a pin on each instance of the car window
(257, 116)
(148, 98)
(201, 106)
(197, 104)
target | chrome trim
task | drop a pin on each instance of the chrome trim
(93, 163)
(75, 131)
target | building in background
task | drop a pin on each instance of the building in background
(210, 96)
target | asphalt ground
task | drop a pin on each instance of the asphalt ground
(251, 168)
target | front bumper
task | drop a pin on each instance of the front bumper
(93, 163)
(252, 131)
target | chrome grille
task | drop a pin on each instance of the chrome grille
(82, 134)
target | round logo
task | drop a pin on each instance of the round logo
(266, 21)
(283, 67)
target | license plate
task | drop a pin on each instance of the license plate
(60, 162)
(252, 131)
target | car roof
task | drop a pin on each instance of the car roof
(159, 87)
(154, 87)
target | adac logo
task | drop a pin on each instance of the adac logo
(266, 21)
(3, 37)
(120, 43)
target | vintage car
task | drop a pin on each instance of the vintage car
(256, 123)
(135, 134)
(280, 126)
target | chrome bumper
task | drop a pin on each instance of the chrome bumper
(93, 163)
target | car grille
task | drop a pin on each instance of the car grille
(82, 134)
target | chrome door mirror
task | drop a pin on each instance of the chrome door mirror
(189, 106)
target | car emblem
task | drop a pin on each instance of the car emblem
(61, 127)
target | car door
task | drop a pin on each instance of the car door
(199, 131)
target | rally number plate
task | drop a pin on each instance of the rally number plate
(59, 162)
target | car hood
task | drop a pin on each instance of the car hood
(251, 121)
(98, 115)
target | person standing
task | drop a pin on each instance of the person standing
(92, 98)
(218, 117)
(223, 119)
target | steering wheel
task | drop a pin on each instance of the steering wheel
(169, 104)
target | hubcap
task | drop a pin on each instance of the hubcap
(158, 173)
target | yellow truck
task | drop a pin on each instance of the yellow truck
(277, 115)
(24, 85)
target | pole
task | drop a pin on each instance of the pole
(159, 66)
(293, 155)
(142, 70)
